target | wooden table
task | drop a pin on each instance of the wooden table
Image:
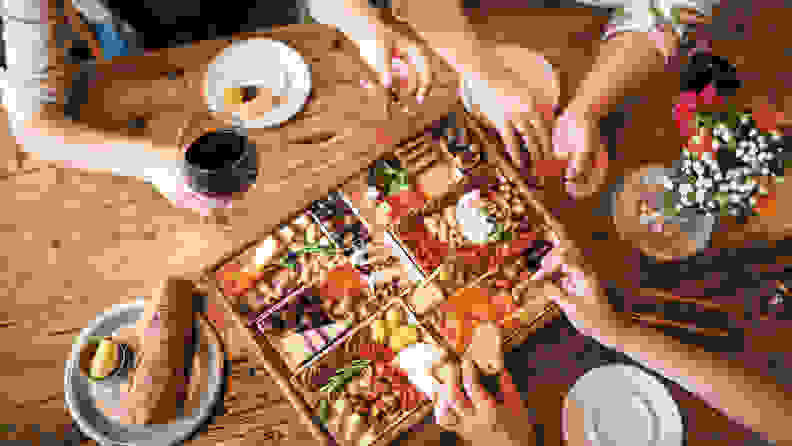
(255, 412)
(341, 130)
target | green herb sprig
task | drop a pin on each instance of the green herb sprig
(290, 259)
(343, 376)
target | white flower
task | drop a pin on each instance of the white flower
(734, 198)
(745, 120)
(753, 132)
(701, 195)
(707, 156)
(761, 139)
(668, 184)
(723, 187)
(718, 176)
(743, 143)
(684, 188)
(763, 146)
(775, 136)
(765, 171)
(740, 153)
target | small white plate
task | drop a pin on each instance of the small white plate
(81, 393)
(261, 63)
(621, 405)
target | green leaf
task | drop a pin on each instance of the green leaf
(620, 12)
(90, 339)
(507, 236)
(656, 12)
(691, 196)
(732, 144)
(675, 15)
(779, 180)
(669, 199)
(704, 120)
(324, 410)
(691, 179)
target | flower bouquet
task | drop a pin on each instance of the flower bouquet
(730, 157)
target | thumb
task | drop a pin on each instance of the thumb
(386, 62)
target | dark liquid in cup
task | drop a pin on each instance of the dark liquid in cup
(216, 150)
(221, 162)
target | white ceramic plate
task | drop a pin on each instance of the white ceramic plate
(81, 392)
(621, 405)
(262, 63)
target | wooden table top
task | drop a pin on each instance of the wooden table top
(254, 410)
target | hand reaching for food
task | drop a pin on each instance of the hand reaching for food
(526, 115)
(482, 419)
(576, 139)
(379, 49)
(576, 289)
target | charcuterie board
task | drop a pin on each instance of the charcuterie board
(442, 231)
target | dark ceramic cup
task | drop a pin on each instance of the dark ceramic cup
(220, 162)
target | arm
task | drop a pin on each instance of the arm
(452, 38)
(39, 124)
(743, 395)
(54, 137)
(629, 57)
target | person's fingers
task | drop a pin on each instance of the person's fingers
(481, 398)
(543, 132)
(511, 395)
(510, 140)
(425, 74)
(456, 398)
(551, 263)
(386, 62)
(411, 68)
(529, 140)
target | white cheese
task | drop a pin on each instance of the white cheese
(472, 223)
(266, 251)
(418, 360)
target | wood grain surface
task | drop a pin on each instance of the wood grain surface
(77, 243)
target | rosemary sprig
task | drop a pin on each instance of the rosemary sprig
(324, 410)
(290, 259)
(343, 376)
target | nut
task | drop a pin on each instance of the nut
(505, 187)
(518, 209)
(510, 272)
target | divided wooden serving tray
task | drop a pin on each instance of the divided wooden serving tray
(301, 254)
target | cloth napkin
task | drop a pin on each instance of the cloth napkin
(161, 387)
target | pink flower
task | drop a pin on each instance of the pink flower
(684, 110)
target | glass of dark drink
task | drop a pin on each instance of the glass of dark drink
(221, 162)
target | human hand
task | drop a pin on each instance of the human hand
(482, 420)
(392, 55)
(575, 288)
(172, 184)
(576, 139)
(525, 115)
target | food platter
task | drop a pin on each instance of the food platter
(327, 278)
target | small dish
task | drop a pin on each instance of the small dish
(618, 404)
(259, 63)
(83, 395)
